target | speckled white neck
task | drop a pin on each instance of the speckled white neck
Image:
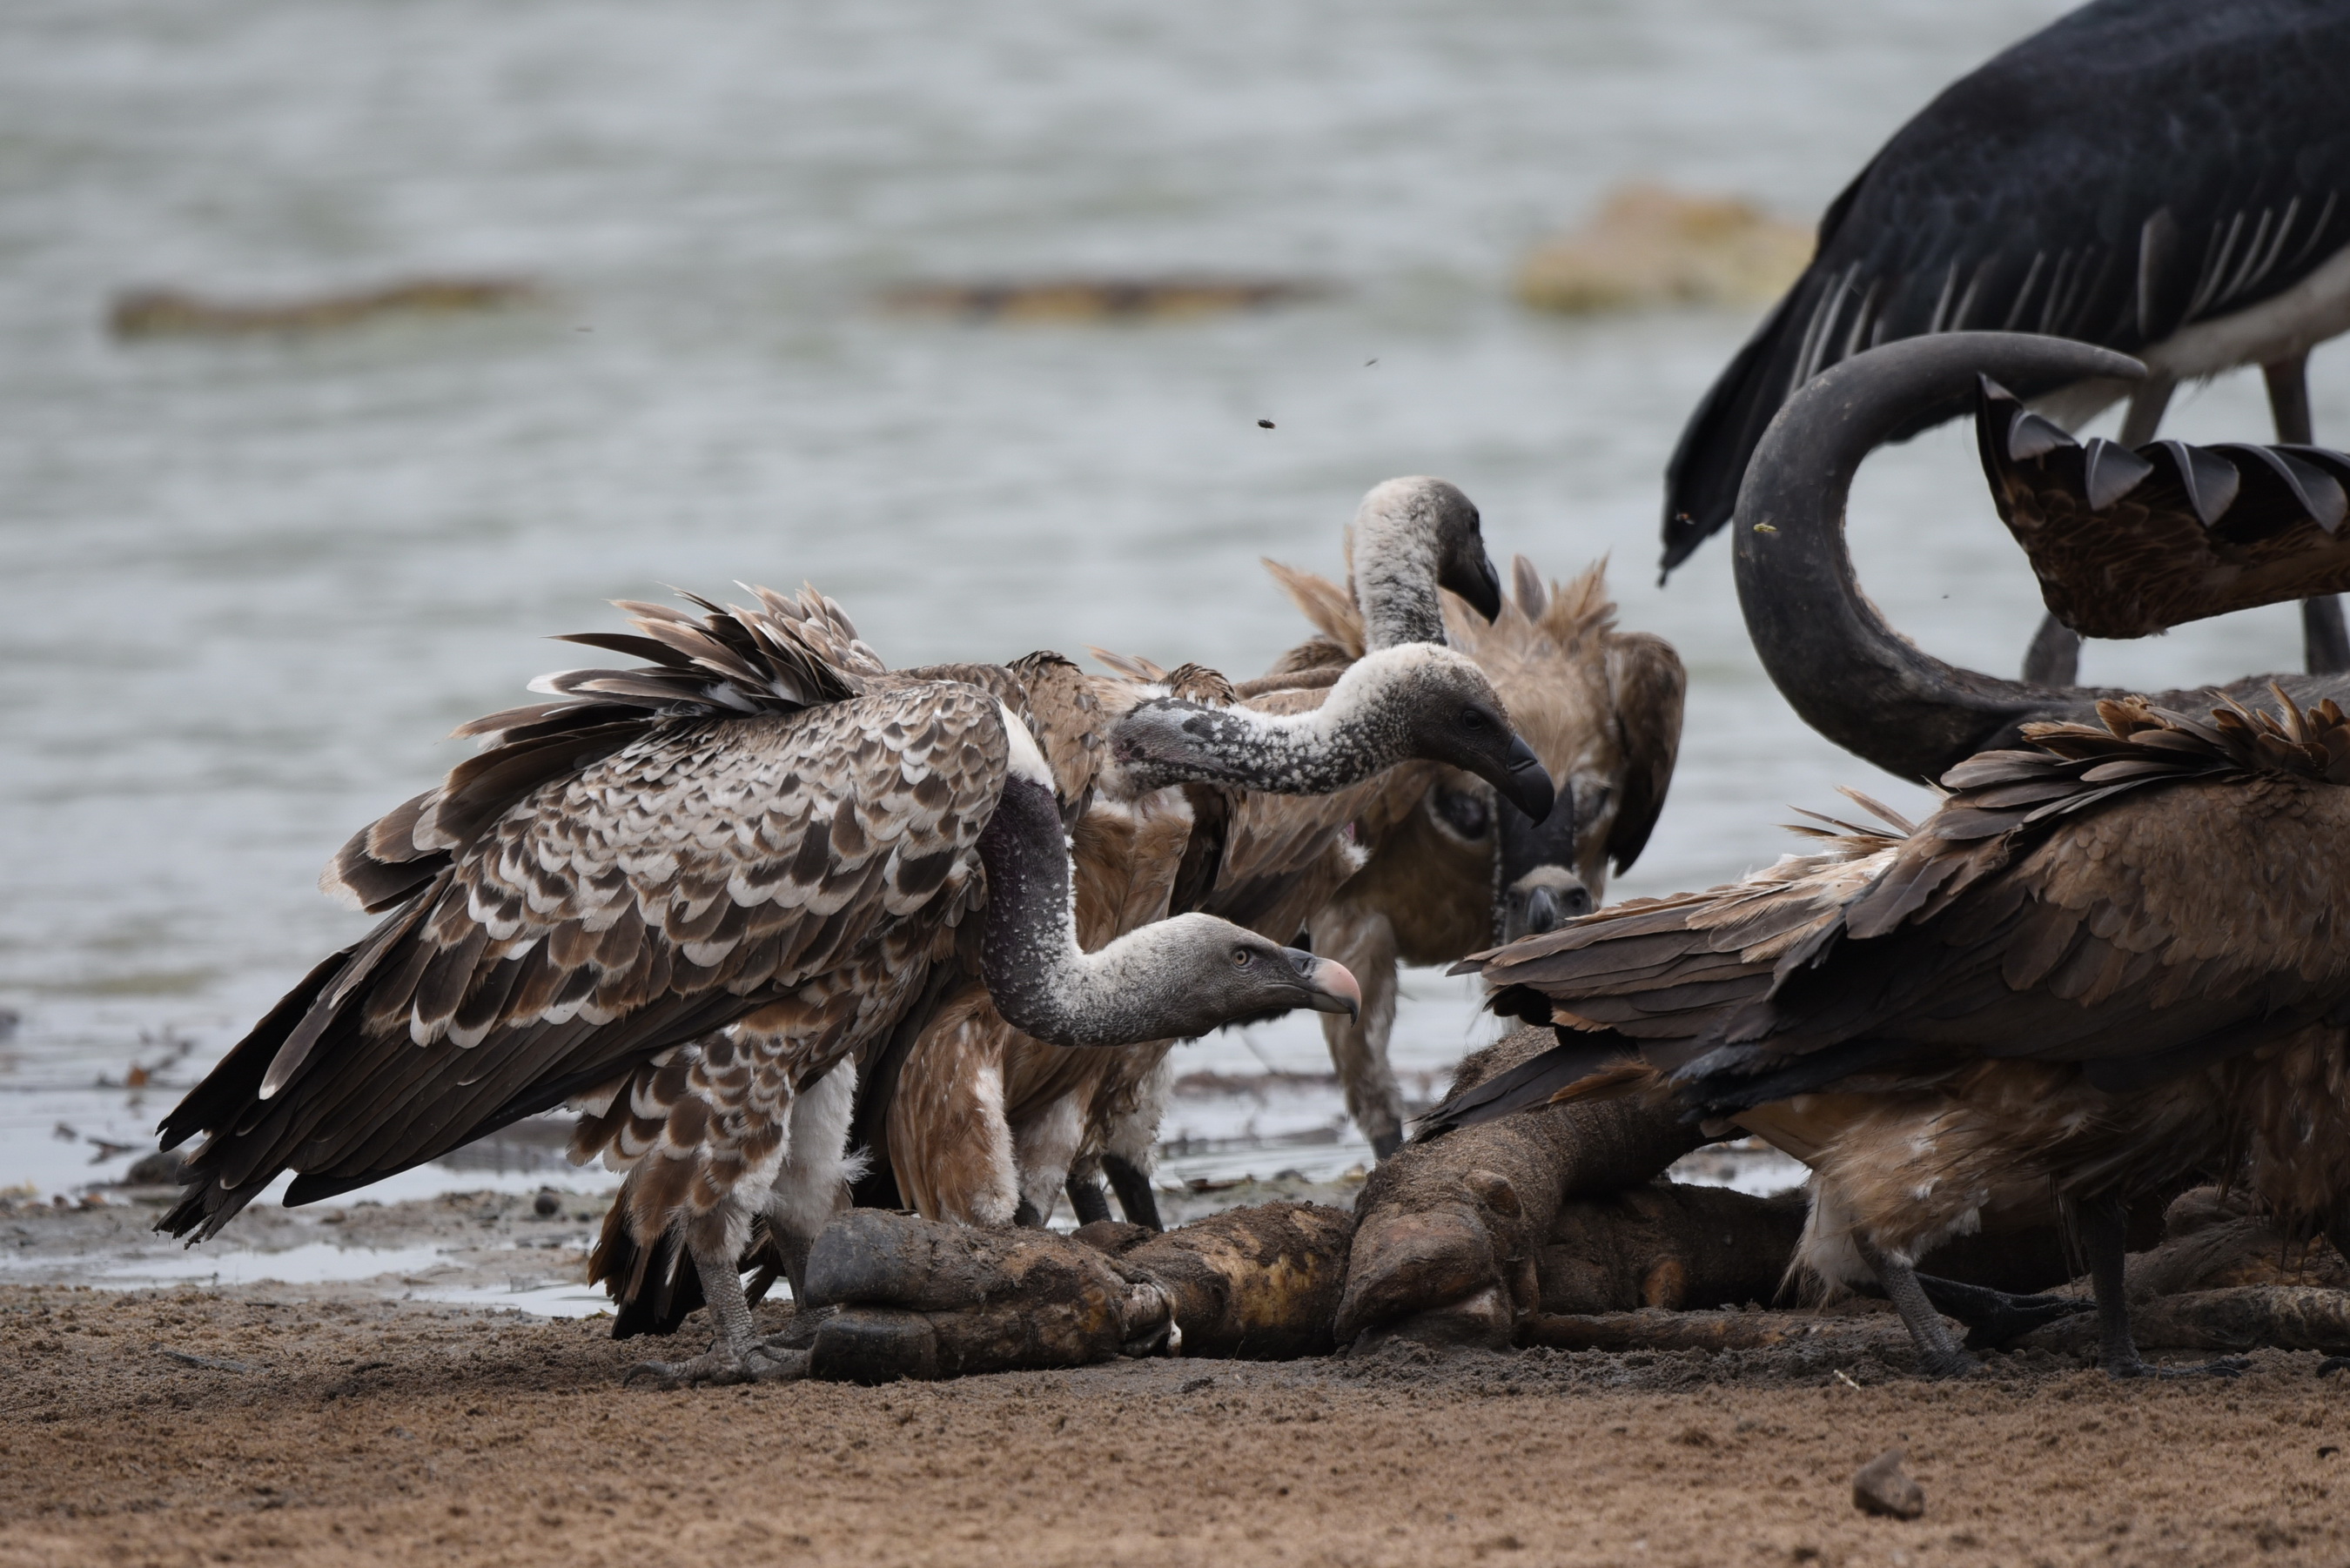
(1395, 551)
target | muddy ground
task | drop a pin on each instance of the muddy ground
(190, 1426)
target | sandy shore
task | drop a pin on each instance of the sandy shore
(190, 1426)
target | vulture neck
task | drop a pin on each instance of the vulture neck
(1355, 732)
(1041, 982)
(1396, 569)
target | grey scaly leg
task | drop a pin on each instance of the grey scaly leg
(1938, 1353)
(738, 1355)
(2324, 640)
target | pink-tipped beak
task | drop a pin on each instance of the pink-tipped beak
(1334, 985)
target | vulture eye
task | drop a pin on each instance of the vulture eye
(1243, 958)
(1472, 719)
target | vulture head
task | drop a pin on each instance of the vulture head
(1191, 974)
(1411, 536)
(1420, 702)
(1602, 709)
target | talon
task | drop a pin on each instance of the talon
(664, 1374)
(2227, 1366)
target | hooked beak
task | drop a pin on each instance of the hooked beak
(1333, 986)
(1527, 786)
(1478, 584)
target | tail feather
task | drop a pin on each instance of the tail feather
(1579, 1067)
(653, 1289)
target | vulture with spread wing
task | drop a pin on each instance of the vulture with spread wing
(682, 893)
(982, 1125)
(2110, 960)
(2131, 542)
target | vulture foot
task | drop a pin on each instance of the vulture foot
(760, 1362)
(2138, 1366)
(1940, 1365)
(1995, 1319)
(2331, 1365)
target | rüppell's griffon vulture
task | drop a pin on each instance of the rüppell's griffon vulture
(681, 894)
(1463, 870)
(982, 1125)
(2110, 960)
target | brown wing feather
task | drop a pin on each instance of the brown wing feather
(702, 872)
(2158, 891)
(1646, 681)
(2129, 544)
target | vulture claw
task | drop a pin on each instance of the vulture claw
(2226, 1367)
(764, 1362)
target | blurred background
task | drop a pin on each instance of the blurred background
(348, 347)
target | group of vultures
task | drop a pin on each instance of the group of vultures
(858, 973)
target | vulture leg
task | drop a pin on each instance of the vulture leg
(1938, 1353)
(1087, 1199)
(1994, 1318)
(738, 1355)
(2054, 656)
(1365, 942)
(1132, 1185)
(812, 1184)
(2324, 641)
(2102, 1225)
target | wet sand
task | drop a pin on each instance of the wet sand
(190, 1426)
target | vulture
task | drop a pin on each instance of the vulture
(1848, 674)
(2166, 178)
(983, 1124)
(679, 895)
(1601, 707)
(2110, 960)
(2128, 543)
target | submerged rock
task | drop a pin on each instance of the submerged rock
(1648, 246)
(170, 312)
(1097, 298)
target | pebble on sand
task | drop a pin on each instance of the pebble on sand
(1882, 1487)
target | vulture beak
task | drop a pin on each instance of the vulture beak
(1331, 984)
(1528, 787)
(1479, 582)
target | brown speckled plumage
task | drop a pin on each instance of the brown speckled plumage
(2131, 542)
(771, 824)
(2112, 959)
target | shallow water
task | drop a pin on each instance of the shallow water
(244, 586)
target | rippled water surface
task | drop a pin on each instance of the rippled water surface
(246, 586)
